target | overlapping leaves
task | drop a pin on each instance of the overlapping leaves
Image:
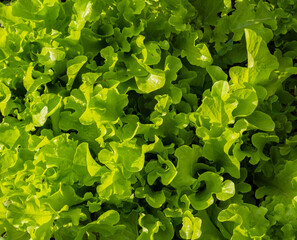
(164, 119)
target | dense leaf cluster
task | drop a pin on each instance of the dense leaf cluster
(148, 119)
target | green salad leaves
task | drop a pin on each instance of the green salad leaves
(148, 119)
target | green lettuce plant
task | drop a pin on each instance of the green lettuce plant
(148, 119)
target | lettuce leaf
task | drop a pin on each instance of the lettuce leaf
(144, 119)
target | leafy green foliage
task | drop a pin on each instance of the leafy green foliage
(145, 119)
